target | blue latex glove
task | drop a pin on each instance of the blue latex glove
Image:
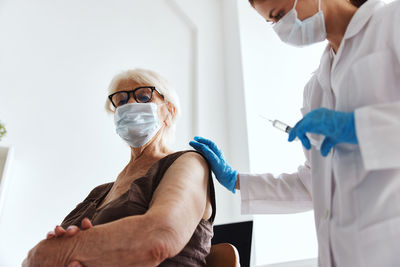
(223, 172)
(338, 127)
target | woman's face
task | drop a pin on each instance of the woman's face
(274, 10)
(163, 110)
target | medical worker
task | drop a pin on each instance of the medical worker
(352, 109)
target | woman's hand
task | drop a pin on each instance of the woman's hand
(70, 231)
(46, 254)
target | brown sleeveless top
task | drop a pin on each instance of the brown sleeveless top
(136, 202)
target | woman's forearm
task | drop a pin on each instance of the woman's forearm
(131, 241)
(135, 240)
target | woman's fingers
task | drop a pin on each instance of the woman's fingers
(59, 231)
(50, 235)
(75, 264)
(86, 224)
(71, 230)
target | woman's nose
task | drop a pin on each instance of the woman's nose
(131, 98)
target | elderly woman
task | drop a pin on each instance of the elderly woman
(161, 207)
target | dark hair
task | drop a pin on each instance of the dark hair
(356, 3)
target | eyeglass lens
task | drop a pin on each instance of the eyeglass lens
(141, 95)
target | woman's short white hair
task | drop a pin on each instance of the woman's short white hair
(151, 78)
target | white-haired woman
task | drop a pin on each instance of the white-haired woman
(159, 210)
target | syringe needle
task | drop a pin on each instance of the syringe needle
(266, 118)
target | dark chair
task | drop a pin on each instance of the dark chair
(239, 235)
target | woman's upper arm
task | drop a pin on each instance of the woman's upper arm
(180, 200)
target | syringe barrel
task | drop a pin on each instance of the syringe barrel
(281, 126)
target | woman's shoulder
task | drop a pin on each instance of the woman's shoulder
(186, 158)
(184, 155)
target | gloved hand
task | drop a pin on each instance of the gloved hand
(223, 172)
(338, 127)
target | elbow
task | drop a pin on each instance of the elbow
(159, 252)
(164, 245)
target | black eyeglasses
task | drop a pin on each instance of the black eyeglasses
(141, 94)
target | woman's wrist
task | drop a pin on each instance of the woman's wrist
(53, 252)
(237, 185)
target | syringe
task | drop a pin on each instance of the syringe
(279, 125)
(286, 128)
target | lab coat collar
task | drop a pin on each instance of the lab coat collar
(361, 17)
(359, 20)
(324, 70)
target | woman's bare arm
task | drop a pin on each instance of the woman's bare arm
(180, 200)
(176, 209)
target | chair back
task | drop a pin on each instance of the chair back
(223, 255)
(238, 234)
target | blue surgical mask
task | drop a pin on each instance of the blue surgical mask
(137, 123)
(295, 32)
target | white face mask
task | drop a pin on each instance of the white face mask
(137, 123)
(295, 32)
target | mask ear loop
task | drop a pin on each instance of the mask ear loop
(169, 112)
(319, 5)
(295, 4)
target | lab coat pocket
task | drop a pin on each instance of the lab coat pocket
(373, 79)
(379, 244)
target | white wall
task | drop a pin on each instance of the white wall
(274, 77)
(56, 60)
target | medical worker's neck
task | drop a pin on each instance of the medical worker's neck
(338, 15)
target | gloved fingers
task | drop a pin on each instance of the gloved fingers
(305, 141)
(206, 151)
(296, 130)
(198, 146)
(232, 184)
(210, 144)
(292, 135)
(327, 145)
(312, 122)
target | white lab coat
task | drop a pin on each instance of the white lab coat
(355, 190)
